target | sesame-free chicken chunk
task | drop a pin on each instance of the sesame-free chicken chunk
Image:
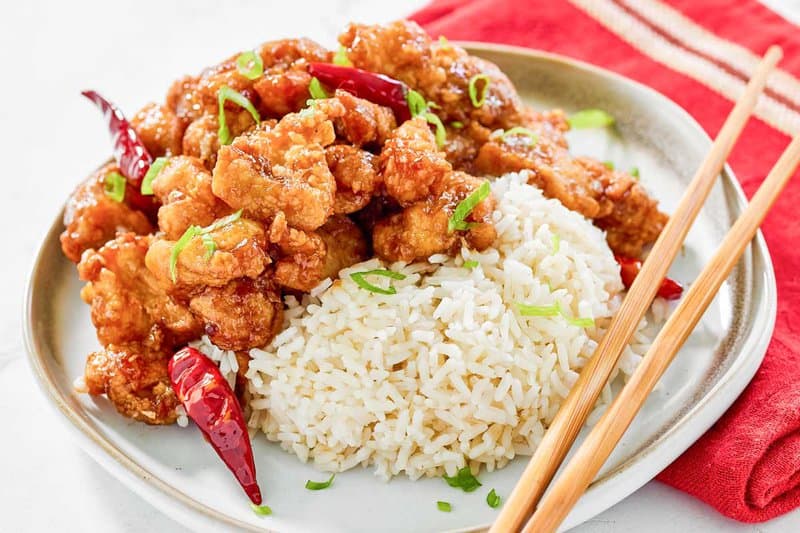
(183, 186)
(345, 244)
(356, 175)
(281, 169)
(92, 217)
(233, 250)
(160, 129)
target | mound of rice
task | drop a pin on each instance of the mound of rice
(445, 372)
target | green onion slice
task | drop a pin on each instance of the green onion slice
(114, 185)
(250, 65)
(457, 124)
(417, 105)
(609, 165)
(185, 239)
(316, 90)
(225, 94)
(443, 42)
(210, 245)
(578, 322)
(340, 58)
(261, 510)
(537, 310)
(465, 207)
(634, 172)
(493, 499)
(319, 485)
(358, 278)
(519, 130)
(478, 97)
(221, 222)
(470, 264)
(590, 118)
(463, 480)
(441, 133)
(152, 173)
(444, 506)
(556, 243)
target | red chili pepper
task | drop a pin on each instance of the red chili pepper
(376, 88)
(133, 158)
(629, 269)
(210, 402)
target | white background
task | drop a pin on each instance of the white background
(50, 138)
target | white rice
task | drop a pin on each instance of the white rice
(445, 372)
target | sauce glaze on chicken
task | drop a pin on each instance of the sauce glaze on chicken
(320, 185)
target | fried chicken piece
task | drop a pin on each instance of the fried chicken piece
(127, 304)
(243, 314)
(183, 186)
(301, 255)
(283, 88)
(192, 97)
(463, 143)
(363, 123)
(614, 200)
(201, 138)
(356, 175)
(345, 244)
(420, 230)
(92, 218)
(159, 128)
(282, 169)
(238, 251)
(441, 73)
(135, 380)
(411, 165)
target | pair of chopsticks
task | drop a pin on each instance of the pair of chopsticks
(605, 435)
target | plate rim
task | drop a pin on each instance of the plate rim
(188, 511)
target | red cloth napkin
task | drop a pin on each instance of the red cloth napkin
(748, 464)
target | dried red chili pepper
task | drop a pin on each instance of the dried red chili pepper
(210, 402)
(629, 269)
(132, 157)
(376, 88)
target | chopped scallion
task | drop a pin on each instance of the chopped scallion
(457, 124)
(465, 207)
(341, 59)
(470, 264)
(261, 510)
(250, 65)
(316, 90)
(358, 278)
(443, 42)
(577, 322)
(634, 172)
(478, 96)
(185, 239)
(221, 222)
(225, 94)
(493, 499)
(416, 103)
(210, 245)
(115, 186)
(152, 173)
(590, 118)
(445, 507)
(441, 133)
(609, 165)
(463, 480)
(519, 130)
(556, 243)
(537, 310)
(319, 485)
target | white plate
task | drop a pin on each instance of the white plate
(178, 473)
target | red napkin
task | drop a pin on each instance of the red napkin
(698, 54)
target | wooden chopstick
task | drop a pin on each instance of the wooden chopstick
(594, 451)
(576, 407)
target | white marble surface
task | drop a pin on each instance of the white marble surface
(50, 50)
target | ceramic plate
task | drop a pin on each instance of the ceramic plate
(178, 473)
